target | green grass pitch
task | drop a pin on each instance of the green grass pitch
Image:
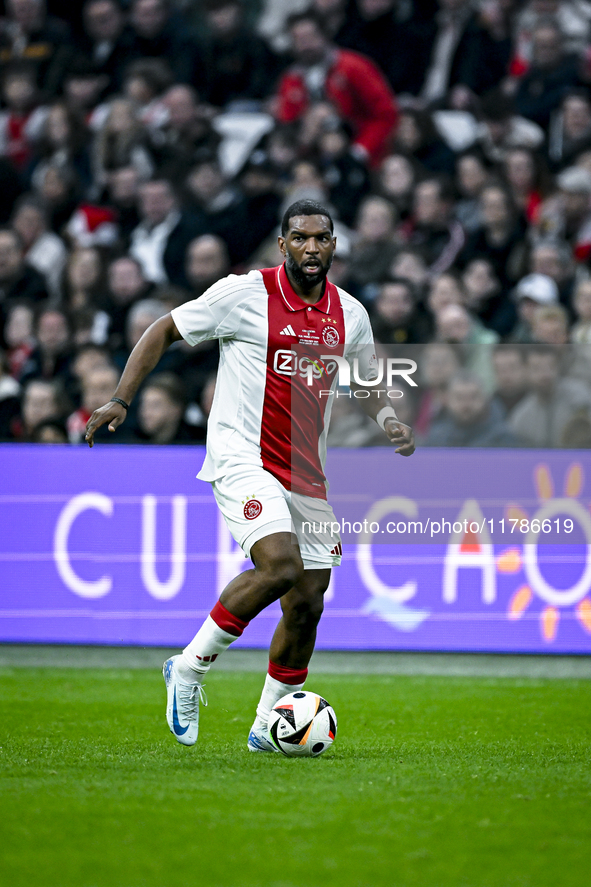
(433, 782)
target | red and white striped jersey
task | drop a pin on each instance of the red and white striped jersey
(270, 408)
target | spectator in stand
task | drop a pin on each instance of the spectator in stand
(553, 258)
(18, 281)
(141, 315)
(380, 29)
(433, 229)
(84, 279)
(527, 180)
(350, 82)
(472, 175)
(87, 359)
(126, 285)
(396, 179)
(52, 357)
(42, 400)
(98, 386)
(43, 40)
(219, 208)
(162, 405)
(122, 198)
(145, 82)
(438, 363)
(501, 129)
(396, 317)
(581, 331)
(550, 325)
(454, 325)
(501, 236)
(159, 32)
(160, 240)
(470, 419)
(122, 141)
(44, 250)
(551, 74)
(417, 137)
(509, 376)
(573, 19)
(238, 65)
(50, 431)
(187, 137)
(207, 262)
(541, 417)
(63, 143)
(104, 40)
(375, 246)
(568, 215)
(23, 117)
(449, 53)
(9, 398)
(345, 176)
(445, 289)
(83, 87)
(531, 292)
(58, 187)
(19, 337)
(570, 130)
(409, 264)
(486, 299)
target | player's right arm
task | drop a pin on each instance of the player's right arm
(141, 361)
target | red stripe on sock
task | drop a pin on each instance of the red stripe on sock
(227, 621)
(287, 675)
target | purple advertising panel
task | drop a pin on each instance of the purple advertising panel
(482, 550)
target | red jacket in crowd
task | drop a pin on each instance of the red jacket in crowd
(359, 92)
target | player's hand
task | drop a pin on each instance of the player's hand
(111, 412)
(402, 435)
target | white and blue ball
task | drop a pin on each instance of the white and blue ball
(302, 724)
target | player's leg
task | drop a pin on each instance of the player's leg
(293, 642)
(291, 649)
(278, 567)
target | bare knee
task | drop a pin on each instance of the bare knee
(282, 572)
(303, 606)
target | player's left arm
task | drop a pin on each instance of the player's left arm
(363, 352)
(396, 431)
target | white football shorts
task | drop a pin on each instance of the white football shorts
(255, 504)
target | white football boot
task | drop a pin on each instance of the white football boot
(182, 704)
(260, 740)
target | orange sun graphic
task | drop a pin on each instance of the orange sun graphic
(512, 560)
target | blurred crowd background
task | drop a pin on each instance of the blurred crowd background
(149, 147)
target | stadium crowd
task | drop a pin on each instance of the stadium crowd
(149, 147)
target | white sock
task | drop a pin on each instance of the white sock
(204, 649)
(272, 693)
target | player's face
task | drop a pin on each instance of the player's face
(308, 248)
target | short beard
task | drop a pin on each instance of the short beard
(305, 281)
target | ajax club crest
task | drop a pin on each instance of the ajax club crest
(330, 336)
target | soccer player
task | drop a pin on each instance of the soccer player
(278, 331)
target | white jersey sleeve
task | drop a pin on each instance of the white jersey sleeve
(218, 312)
(360, 351)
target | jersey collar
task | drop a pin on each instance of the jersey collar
(294, 302)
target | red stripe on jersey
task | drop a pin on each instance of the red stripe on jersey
(293, 412)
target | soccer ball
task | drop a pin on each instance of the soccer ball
(302, 725)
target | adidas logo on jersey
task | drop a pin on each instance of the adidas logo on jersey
(288, 331)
